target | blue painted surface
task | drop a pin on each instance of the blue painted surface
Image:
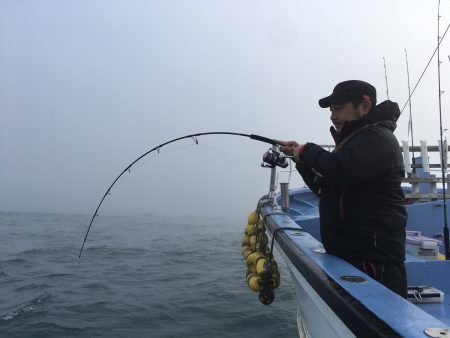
(406, 318)
(426, 217)
(435, 273)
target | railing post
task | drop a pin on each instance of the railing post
(406, 159)
(425, 159)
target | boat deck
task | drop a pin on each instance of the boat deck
(304, 212)
(367, 298)
(435, 274)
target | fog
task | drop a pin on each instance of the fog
(86, 87)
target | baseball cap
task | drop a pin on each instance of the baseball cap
(349, 91)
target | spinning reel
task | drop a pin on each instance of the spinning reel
(274, 158)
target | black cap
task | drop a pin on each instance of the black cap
(350, 91)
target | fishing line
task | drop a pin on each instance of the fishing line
(222, 152)
(158, 148)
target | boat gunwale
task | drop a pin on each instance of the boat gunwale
(359, 319)
(354, 314)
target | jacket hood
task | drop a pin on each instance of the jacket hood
(385, 111)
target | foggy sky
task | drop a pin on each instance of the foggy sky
(86, 87)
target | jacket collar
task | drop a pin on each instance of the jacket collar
(386, 114)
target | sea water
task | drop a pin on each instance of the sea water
(139, 276)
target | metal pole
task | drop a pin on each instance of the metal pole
(284, 187)
(273, 176)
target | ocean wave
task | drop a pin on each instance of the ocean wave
(15, 313)
(25, 307)
(13, 261)
(32, 286)
(42, 251)
(58, 275)
(115, 251)
(51, 329)
(95, 286)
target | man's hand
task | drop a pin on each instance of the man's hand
(291, 148)
(287, 147)
(297, 152)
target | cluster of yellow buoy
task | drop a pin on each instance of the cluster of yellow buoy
(262, 273)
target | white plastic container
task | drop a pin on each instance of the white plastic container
(421, 246)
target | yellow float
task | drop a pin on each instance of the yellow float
(262, 270)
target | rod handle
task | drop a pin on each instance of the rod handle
(264, 139)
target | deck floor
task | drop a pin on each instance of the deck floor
(435, 274)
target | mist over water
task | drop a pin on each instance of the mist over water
(88, 86)
(139, 276)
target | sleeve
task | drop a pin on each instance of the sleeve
(366, 155)
(309, 177)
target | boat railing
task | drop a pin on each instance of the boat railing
(422, 171)
(418, 170)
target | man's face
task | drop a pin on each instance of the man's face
(341, 113)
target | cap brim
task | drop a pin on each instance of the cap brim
(332, 99)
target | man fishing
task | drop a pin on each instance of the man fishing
(362, 213)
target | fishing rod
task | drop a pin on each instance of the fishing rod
(410, 123)
(446, 234)
(385, 77)
(270, 159)
(426, 67)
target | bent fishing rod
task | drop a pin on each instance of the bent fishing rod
(272, 158)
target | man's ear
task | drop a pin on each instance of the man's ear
(364, 107)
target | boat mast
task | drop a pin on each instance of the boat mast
(410, 123)
(446, 235)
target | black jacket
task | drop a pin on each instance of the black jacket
(362, 213)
